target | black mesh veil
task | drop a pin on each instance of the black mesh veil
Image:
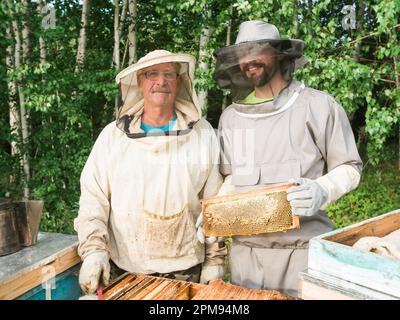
(228, 74)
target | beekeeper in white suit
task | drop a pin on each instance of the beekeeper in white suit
(278, 130)
(147, 171)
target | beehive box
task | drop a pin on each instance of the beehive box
(47, 270)
(219, 290)
(260, 211)
(332, 254)
(315, 285)
(144, 287)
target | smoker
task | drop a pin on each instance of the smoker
(19, 224)
(9, 238)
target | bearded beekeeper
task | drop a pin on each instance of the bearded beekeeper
(278, 130)
(147, 171)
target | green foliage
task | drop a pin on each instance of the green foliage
(377, 193)
(67, 110)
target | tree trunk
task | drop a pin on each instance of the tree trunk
(310, 30)
(116, 62)
(227, 43)
(12, 89)
(203, 64)
(23, 117)
(295, 19)
(360, 14)
(25, 32)
(80, 56)
(132, 32)
(120, 28)
(42, 44)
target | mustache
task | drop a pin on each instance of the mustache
(161, 89)
(253, 64)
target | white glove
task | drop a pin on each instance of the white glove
(209, 273)
(338, 182)
(95, 267)
(307, 198)
(200, 232)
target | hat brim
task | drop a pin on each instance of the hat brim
(125, 76)
(291, 48)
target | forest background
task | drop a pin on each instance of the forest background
(58, 61)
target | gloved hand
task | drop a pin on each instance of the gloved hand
(200, 232)
(95, 267)
(307, 198)
(209, 273)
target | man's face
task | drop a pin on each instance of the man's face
(259, 67)
(159, 84)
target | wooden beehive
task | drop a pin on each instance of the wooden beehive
(249, 213)
(143, 287)
(365, 274)
(219, 290)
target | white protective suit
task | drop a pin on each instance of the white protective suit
(302, 133)
(140, 195)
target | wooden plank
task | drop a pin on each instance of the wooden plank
(147, 290)
(318, 286)
(183, 293)
(364, 268)
(172, 290)
(157, 291)
(22, 282)
(195, 288)
(312, 291)
(219, 290)
(129, 295)
(166, 288)
(146, 287)
(378, 226)
(119, 288)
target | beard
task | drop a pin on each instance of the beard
(265, 77)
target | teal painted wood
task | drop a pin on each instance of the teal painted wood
(345, 262)
(66, 287)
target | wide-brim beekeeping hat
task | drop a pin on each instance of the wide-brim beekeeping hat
(255, 36)
(131, 98)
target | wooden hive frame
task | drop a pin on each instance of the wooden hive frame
(259, 211)
(219, 290)
(131, 286)
(143, 287)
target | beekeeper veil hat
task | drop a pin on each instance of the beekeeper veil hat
(131, 98)
(253, 37)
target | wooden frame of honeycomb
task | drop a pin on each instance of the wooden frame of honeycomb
(130, 286)
(259, 211)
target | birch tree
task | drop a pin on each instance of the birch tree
(132, 32)
(227, 43)
(80, 56)
(42, 44)
(203, 55)
(12, 87)
(18, 119)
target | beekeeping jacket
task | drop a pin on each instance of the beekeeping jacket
(140, 193)
(302, 133)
